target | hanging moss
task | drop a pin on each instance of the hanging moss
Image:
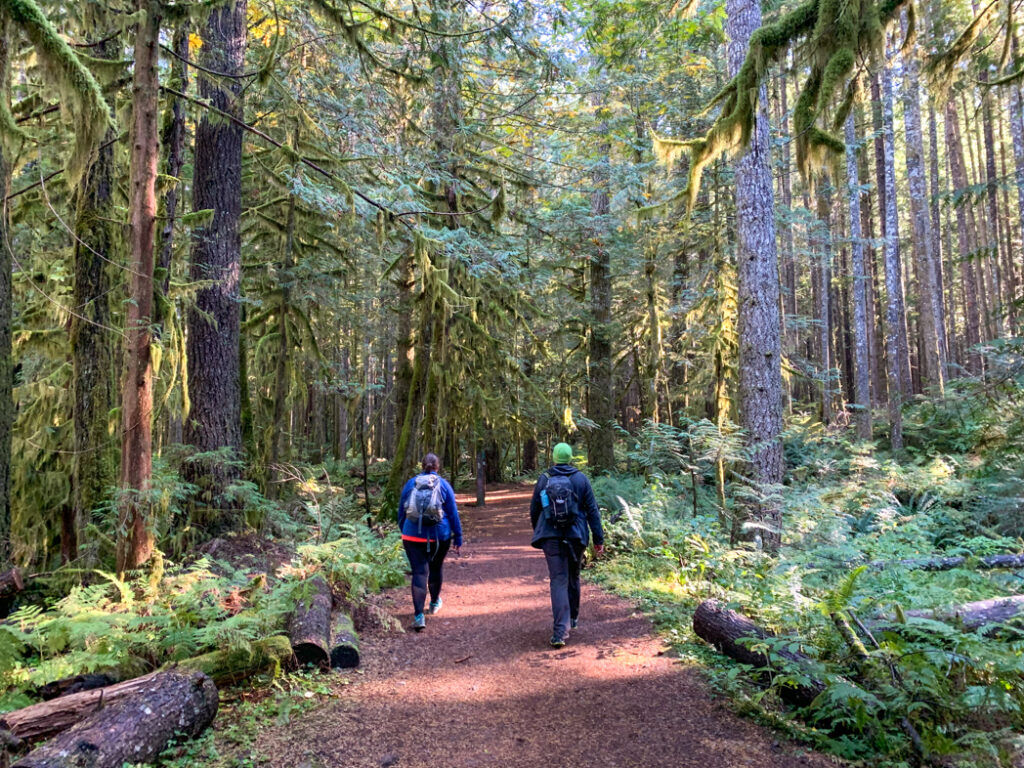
(837, 33)
(80, 94)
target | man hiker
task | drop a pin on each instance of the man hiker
(429, 521)
(563, 513)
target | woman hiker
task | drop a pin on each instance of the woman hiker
(429, 521)
(563, 513)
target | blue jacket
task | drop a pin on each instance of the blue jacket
(448, 527)
(588, 519)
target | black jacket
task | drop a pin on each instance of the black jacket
(588, 519)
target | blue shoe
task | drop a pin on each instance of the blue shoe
(574, 623)
(435, 606)
(556, 642)
(419, 623)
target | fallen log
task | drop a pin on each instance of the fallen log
(724, 629)
(933, 563)
(344, 643)
(43, 720)
(982, 614)
(310, 626)
(134, 729)
(267, 656)
(76, 684)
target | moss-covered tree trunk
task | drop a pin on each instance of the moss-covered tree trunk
(97, 241)
(277, 447)
(6, 314)
(214, 421)
(759, 320)
(823, 299)
(135, 535)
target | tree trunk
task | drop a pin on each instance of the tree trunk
(48, 718)
(344, 643)
(958, 176)
(6, 313)
(1016, 118)
(935, 231)
(895, 316)
(601, 449)
(135, 537)
(759, 322)
(730, 633)
(822, 298)
(310, 626)
(929, 290)
(862, 382)
(981, 614)
(999, 303)
(232, 666)
(135, 729)
(214, 421)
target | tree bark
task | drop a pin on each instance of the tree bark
(214, 422)
(136, 728)
(135, 538)
(822, 298)
(935, 231)
(48, 718)
(759, 321)
(1016, 118)
(310, 626)
(862, 382)
(6, 314)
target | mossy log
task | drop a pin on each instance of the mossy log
(267, 656)
(310, 626)
(987, 563)
(344, 643)
(136, 728)
(727, 630)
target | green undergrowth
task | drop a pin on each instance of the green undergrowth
(94, 622)
(926, 690)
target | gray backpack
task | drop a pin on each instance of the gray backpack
(425, 503)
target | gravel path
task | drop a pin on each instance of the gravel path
(480, 686)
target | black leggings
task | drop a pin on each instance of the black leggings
(427, 570)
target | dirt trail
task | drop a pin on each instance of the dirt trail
(481, 687)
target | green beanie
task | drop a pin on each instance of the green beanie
(562, 453)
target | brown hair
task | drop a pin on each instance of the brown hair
(431, 463)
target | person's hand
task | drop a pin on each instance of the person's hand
(599, 549)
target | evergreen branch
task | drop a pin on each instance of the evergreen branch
(383, 13)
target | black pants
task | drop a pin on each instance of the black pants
(427, 564)
(563, 558)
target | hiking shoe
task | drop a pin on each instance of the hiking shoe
(557, 642)
(574, 623)
(435, 606)
(418, 622)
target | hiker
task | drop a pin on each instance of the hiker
(429, 522)
(563, 513)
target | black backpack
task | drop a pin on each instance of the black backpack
(425, 502)
(562, 506)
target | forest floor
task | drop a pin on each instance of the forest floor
(481, 687)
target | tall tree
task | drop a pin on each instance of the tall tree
(861, 350)
(895, 315)
(601, 454)
(6, 302)
(135, 541)
(759, 322)
(929, 290)
(214, 421)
